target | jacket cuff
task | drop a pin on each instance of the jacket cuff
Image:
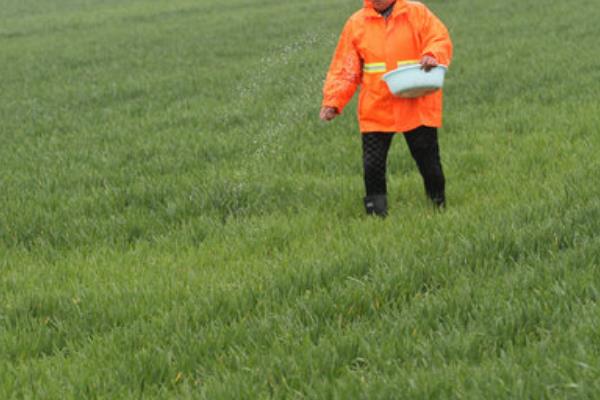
(430, 54)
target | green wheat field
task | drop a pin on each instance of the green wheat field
(177, 223)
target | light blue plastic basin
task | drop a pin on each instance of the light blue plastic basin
(411, 81)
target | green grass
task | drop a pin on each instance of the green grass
(175, 221)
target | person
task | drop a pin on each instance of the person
(381, 36)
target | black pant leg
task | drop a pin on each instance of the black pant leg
(375, 147)
(423, 145)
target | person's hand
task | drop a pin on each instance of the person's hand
(328, 113)
(428, 62)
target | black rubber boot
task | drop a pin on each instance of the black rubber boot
(438, 200)
(376, 205)
(439, 203)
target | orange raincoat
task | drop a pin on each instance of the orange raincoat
(370, 46)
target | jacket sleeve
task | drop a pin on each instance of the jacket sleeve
(435, 38)
(345, 72)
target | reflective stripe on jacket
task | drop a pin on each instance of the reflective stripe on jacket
(371, 45)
